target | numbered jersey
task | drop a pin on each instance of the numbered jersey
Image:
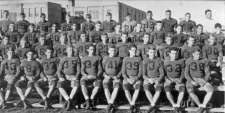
(123, 49)
(186, 51)
(31, 68)
(164, 51)
(174, 69)
(132, 67)
(91, 65)
(50, 65)
(142, 50)
(102, 49)
(31, 37)
(59, 50)
(10, 67)
(153, 68)
(82, 48)
(40, 50)
(212, 52)
(112, 65)
(70, 66)
(197, 68)
(158, 37)
(54, 37)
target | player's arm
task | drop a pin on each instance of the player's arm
(140, 70)
(104, 65)
(119, 67)
(161, 71)
(60, 68)
(144, 69)
(38, 71)
(2, 70)
(182, 71)
(99, 68)
(83, 68)
(207, 71)
(78, 69)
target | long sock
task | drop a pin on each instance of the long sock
(170, 98)
(180, 98)
(27, 92)
(40, 92)
(64, 94)
(85, 92)
(114, 95)
(207, 98)
(7, 94)
(50, 90)
(107, 94)
(135, 96)
(94, 92)
(149, 96)
(20, 93)
(156, 97)
(128, 96)
(73, 92)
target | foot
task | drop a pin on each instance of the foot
(68, 104)
(200, 110)
(17, 104)
(87, 104)
(3, 105)
(108, 109)
(92, 104)
(112, 109)
(25, 105)
(151, 109)
(178, 110)
(133, 109)
(46, 104)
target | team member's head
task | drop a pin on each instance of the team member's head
(199, 28)
(22, 16)
(152, 52)
(190, 41)
(187, 16)
(117, 27)
(53, 28)
(146, 38)
(212, 40)
(149, 14)
(10, 53)
(97, 25)
(23, 43)
(31, 27)
(159, 25)
(69, 51)
(218, 27)
(88, 17)
(168, 14)
(42, 39)
(104, 37)
(91, 50)
(109, 16)
(83, 37)
(5, 14)
(124, 37)
(11, 27)
(112, 51)
(63, 37)
(128, 17)
(74, 27)
(173, 53)
(208, 13)
(169, 39)
(49, 52)
(43, 17)
(178, 28)
(196, 53)
(30, 55)
(5, 40)
(132, 50)
(138, 27)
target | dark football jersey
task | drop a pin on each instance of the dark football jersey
(50, 65)
(31, 37)
(82, 48)
(132, 67)
(59, 50)
(123, 49)
(70, 66)
(158, 37)
(31, 68)
(153, 68)
(174, 69)
(10, 67)
(102, 49)
(22, 26)
(40, 50)
(112, 66)
(188, 26)
(212, 52)
(14, 37)
(169, 24)
(91, 65)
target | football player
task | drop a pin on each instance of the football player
(60, 48)
(102, 47)
(123, 46)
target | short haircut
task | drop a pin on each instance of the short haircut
(208, 10)
(168, 10)
(98, 22)
(199, 25)
(187, 13)
(149, 11)
(49, 48)
(152, 47)
(218, 25)
(42, 15)
(22, 14)
(196, 49)
(6, 11)
(132, 46)
(173, 49)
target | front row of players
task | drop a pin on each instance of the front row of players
(87, 72)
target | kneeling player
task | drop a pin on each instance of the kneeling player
(31, 73)
(69, 72)
(10, 70)
(112, 72)
(49, 76)
(174, 71)
(197, 75)
(131, 72)
(153, 74)
(91, 71)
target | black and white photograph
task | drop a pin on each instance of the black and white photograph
(112, 56)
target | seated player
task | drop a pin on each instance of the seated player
(142, 48)
(54, 36)
(60, 48)
(153, 75)
(131, 72)
(9, 73)
(174, 76)
(95, 35)
(49, 73)
(197, 75)
(31, 36)
(158, 35)
(220, 36)
(14, 36)
(82, 45)
(179, 36)
(102, 47)
(5, 45)
(137, 34)
(91, 71)
(41, 48)
(69, 75)
(188, 47)
(114, 37)
(213, 53)
(123, 46)
(112, 73)
(31, 70)
(200, 37)
(166, 47)
(22, 49)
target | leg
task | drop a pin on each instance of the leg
(137, 87)
(158, 91)
(116, 85)
(106, 82)
(190, 89)
(39, 90)
(147, 91)
(18, 86)
(126, 88)
(52, 85)
(209, 92)
(62, 90)
(168, 94)
(74, 85)
(181, 94)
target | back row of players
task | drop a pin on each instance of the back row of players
(155, 59)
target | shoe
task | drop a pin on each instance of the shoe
(200, 110)
(42, 102)
(3, 106)
(68, 104)
(108, 109)
(25, 105)
(131, 109)
(46, 104)
(112, 109)
(87, 104)
(178, 110)
(151, 109)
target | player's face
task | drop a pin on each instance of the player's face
(67, 18)
(168, 40)
(42, 40)
(5, 15)
(187, 17)
(179, 29)
(218, 29)
(138, 26)
(209, 14)
(53, 28)
(91, 50)
(74, 27)
(23, 43)
(146, 38)
(168, 14)
(149, 15)
(199, 29)
(191, 41)
(132, 51)
(172, 55)
(196, 55)
(69, 51)
(98, 26)
(111, 51)
(83, 37)
(30, 55)
(6, 40)
(117, 28)
(31, 28)
(158, 26)
(11, 27)
(151, 53)
(62, 39)
(43, 18)
(48, 53)
(103, 38)
(108, 17)
(124, 38)
(211, 40)
(10, 54)
(22, 17)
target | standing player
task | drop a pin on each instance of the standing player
(123, 47)
(43, 25)
(137, 34)
(197, 75)
(54, 36)
(158, 35)
(60, 48)
(168, 23)
(102, 47)
(14, 36)
(220, 36)
(128, 25)
(88, 25)
(109, 24)
(31, 73)
(179, 37)
(5, 45)
(174, 76)
(131, 72)
(153, 75)
(31, 36)
(112, 73)
(188, 25)
(10, 70)
(22, 25)
(69, 73)
(148, 23)
(114, 37)
(91, 71)
(95, 35)
(48, 75)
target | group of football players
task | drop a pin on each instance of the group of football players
(153, 56)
